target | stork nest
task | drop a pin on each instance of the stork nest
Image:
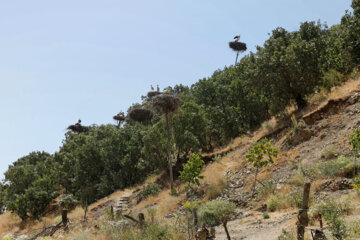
(152, 94)
(140, 115)
(238, 46)
(119, 117)
(166, 102)
(78, 128)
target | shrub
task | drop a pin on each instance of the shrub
(332, 213)
(215, 189)
(215, 212)
(341, 166)
(191, 171)
(152, 189)
(275, 201)
(356, 184)
(295, 198)
(266, 215)
(331, 79)
(329, 152)
(265, 190)
(285, 235)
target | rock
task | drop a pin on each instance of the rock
(336, 184)
(170, 215)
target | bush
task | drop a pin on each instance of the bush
(331, 79)
(191, 171)
(329, 152)
(152, 189)
(215, 212)
(265, 190)
(332, 213)
(214, 190)
(342, 166)
(266, 215)
(275, 201)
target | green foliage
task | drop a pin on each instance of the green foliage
(151, 189)
(332, 78)
(67, 201)
(30, 185)
(266, 189)
(214, 212)
(266, 215)
(341, 166)
(149, 232)
(215, 189)
(262, 149)
(275, 202)
(332, 213)
(191, 170)
(354, 140)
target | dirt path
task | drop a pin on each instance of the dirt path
(254, 227)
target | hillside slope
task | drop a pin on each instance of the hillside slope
(320, 138)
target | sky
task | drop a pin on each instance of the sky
(65, 60)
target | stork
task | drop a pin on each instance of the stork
(237, 38)
(157, 88)
(152, 88)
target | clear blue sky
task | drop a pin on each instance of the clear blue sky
(64, 60)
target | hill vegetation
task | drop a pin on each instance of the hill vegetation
(284, 72)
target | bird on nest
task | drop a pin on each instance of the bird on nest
(237, 38)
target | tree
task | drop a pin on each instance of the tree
(256, 155)
(214, 212)
(354, 141)
(168, 104)
(2, 198)
(191, 171)
(290, 65)
(30, 185)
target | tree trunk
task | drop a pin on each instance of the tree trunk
(254, 188)
(194, 211)
(64, 217)
(169, 152)
(226, 230)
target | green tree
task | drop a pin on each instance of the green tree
(261, 155)
(30, 185)
(354, 141)
(214, 212)
(290, 65)
(191, 171)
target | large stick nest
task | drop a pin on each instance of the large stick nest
(119, 117)
(140, 115)
(152, 94)
(238, 46)
(78, 128)
(166, 102)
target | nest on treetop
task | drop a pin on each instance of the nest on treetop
(78, 128)
(166, 102)
(119, 117)
(140, 115)
(152, 94)
(238, 46)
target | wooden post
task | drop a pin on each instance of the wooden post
(303, 219)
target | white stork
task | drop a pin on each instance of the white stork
(237, 38)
